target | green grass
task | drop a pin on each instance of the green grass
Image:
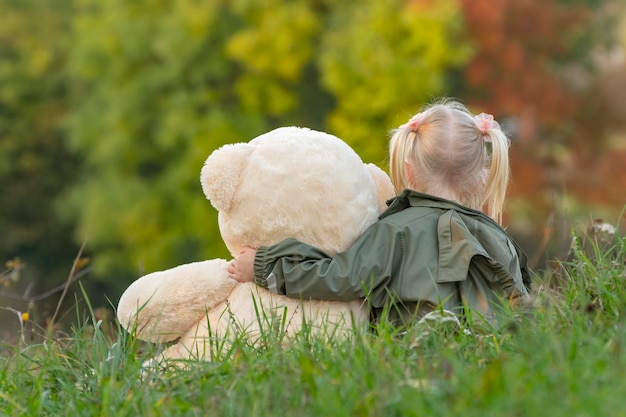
(566, 358)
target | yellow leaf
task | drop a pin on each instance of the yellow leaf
(80, 264)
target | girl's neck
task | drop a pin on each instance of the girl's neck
(443, 193)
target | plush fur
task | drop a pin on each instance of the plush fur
(290, 182)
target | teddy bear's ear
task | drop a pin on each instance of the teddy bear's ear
(221, 173)
(384, 187)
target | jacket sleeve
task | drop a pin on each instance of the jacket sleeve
(299, 270)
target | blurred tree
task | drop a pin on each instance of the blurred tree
(533, 62)
(35, 166)
(159, 85)
(597, 172)
(383, 59)
(153, 98)
(274, 49)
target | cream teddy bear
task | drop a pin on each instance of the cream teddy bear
(289, 182)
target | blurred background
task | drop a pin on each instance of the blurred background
(108, 110)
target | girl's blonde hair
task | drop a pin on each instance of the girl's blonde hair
(448, 152)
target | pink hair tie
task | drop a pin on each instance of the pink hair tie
(485, 122)
(414, 122)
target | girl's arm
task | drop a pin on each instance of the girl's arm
(299, 270)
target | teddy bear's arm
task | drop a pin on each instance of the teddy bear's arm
(164, 305)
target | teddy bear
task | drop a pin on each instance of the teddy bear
(289, 182)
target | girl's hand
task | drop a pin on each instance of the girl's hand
(242, 267)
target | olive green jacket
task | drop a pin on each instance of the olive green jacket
(424, 251)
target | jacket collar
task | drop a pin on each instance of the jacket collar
(410, 198)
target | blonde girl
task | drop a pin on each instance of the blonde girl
(434, 247)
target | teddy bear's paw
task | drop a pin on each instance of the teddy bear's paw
(164, 305)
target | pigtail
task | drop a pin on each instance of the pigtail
(397, 156)
(401, 149)
(499, 171)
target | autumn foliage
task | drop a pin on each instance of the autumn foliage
(537, 64)
(108, 109)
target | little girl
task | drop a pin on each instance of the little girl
(433, 247)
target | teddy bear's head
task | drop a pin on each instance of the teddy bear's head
(293, 182)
